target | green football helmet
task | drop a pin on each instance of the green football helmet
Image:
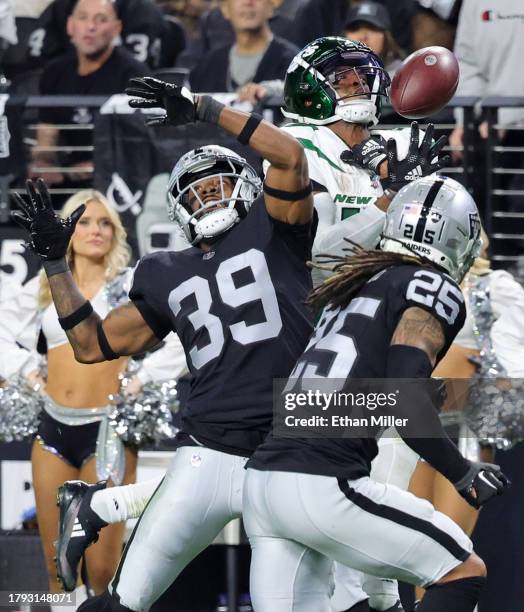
(311, 88)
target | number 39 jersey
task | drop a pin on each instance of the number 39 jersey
(353, 343)
(239, 312)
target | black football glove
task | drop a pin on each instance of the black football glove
(482, 482)
(419, 160)
(178, 102)
(368, 154)
(50, 235)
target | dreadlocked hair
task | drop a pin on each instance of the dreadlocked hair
(352, 272)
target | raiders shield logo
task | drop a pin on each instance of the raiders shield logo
(474, 225)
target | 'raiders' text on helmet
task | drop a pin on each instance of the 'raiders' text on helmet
(435, 218)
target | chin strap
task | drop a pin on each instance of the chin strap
(357, 111)
(216, 222)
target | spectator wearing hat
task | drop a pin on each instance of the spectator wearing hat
(370, 23)
(313, 20)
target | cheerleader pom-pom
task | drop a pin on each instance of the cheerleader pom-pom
(148, 417)
(20, 407)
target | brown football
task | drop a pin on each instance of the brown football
(425, 82)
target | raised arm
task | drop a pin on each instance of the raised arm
(123, 331)
(416, 343)
(288, 192)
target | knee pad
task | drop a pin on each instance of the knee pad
(394, 464)
(383, 593)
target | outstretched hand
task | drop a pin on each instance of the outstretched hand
(419, 160)
(178, 102)
(368, 154)
(50, 235)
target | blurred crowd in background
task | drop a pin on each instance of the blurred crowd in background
(169, 33)
(243, 47)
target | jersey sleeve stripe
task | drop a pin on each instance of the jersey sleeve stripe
(307, 144)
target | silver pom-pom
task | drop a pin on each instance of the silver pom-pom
(495, 411)
(20, 406)
(148, 417)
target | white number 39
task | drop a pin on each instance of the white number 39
(260, 289)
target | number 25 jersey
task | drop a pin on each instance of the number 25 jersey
(239, 312)
(353, 342)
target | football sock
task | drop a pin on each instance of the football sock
(456, 596)
(80, 595)
(361, 606)
(396, 607)
(116, 504)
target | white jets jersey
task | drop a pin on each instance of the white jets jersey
(350, 187)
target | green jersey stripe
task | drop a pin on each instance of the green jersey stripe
(307, 144)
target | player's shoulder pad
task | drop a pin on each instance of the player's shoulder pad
(158, 257)
(155, 261)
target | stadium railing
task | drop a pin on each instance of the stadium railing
(490, 168)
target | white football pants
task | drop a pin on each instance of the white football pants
(297, 522)
(200, 494)
(394, 464)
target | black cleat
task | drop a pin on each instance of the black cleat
(78, 527)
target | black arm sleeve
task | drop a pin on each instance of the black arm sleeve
(423, 432)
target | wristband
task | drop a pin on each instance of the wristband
(209, 109)
(55, 266)
(467, 479)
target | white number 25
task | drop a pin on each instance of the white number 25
(424, 287)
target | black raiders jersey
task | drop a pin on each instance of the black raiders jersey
(353, 343)
(239, 312)
(143, 29)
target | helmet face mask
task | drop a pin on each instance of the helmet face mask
(312, 89)
(234, 190)
(444, 230)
